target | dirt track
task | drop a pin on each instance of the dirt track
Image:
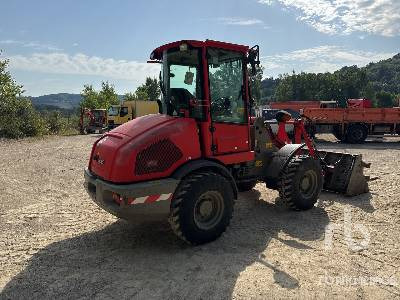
(54, 243)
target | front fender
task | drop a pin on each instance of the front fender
(280, 160)
(204, 164)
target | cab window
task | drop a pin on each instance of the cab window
(181, 80)
(226, 86)
(124, 111)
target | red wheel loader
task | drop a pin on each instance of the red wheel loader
(189, 162)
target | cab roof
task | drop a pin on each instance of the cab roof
(157, 53)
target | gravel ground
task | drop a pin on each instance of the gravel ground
(55, 243)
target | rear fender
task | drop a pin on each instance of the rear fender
(203, 164)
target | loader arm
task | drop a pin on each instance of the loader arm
(343, 173)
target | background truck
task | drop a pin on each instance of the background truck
(354, 124)
(351, 124)
(298, 105)
(92, 120)
(129, 110)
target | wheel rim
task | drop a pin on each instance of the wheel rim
(208, 210)
(308, 184)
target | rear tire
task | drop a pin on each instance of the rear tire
(301, 182)
(356, 134)
(202, 207)
(246, 186)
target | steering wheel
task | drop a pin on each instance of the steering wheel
(221, 105)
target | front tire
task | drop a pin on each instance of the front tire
(202, 207)
(301, 182)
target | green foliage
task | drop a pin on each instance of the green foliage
(99, 99)
(385, 75)
(255, 84)
(141, 93)
(348, 82)
(152, 88)
(268, 87)
(18, 118)
(385, 99)
(90, 97)
(57, 122)
(107, 95)
(129, 97)
(54, 121)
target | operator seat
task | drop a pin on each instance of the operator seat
(181, 98)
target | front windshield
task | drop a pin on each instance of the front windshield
(181, 79)
(113, 111)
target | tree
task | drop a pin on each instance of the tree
(268, 87)
(18, 118)
(141, 93)
(129, 97)
(90, 98)
(153, 88)
(348, 82)
(255, 84)
(107, 96)
(150, 90)
(102, 99)
(385, 99)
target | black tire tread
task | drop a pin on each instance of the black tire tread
(182, 192)
(349, 138)
(285, 182)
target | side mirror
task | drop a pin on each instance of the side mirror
(253, 58)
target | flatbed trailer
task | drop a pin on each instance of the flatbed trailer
(353, 125)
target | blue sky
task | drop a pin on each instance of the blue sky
(58, 46)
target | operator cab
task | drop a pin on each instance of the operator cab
(183, 88)
(207, 81)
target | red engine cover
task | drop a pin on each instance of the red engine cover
(149, 147)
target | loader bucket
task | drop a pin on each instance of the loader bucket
(344, 173)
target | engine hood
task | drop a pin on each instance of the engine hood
(142, 124)
(146, 148)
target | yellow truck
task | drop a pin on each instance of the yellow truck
(129, 110)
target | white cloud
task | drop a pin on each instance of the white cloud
(32, 44)
(381, 17)
(81, 64)
(318, 59)
(240, 21)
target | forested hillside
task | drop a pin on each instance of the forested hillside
(61, 100)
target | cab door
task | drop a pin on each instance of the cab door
(230, 128)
